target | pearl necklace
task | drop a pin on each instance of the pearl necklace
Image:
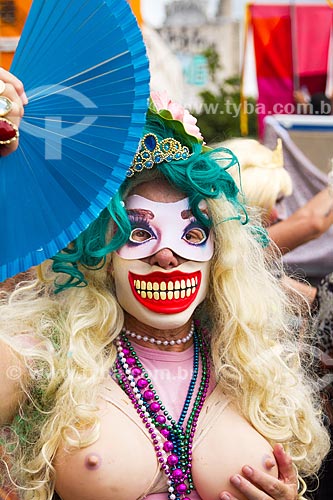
(152, 340)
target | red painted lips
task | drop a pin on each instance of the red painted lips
(165, 293)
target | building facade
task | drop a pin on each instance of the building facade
(189, 32)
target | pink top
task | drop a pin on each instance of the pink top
(171, 374)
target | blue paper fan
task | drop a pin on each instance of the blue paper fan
(85, 71)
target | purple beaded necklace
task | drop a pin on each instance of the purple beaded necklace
(172, 442)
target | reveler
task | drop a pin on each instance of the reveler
(157, 358)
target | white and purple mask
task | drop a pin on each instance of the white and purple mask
(158, 225)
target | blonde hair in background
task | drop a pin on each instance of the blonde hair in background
(263, 177)
(254, 349)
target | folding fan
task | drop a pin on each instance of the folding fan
(85, 71)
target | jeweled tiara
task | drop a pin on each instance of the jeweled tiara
(152, 152)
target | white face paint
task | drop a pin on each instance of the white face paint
(158, 225)
(157, 297)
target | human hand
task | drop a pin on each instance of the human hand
(300, 97)
(253, 483)
(319, 212)
(12, 89)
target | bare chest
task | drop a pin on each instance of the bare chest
(122, 463)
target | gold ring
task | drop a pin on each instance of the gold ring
(2, 86)
(8, 131)
(6, 105)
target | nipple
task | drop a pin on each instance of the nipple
(93, 461)
(268, 462)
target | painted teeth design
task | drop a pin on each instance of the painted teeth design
(166, 291)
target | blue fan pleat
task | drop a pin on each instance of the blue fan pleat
(85, 71)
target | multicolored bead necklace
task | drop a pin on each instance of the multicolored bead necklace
(173, 443)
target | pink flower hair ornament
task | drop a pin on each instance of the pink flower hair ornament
(169, 110)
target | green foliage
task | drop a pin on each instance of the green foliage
(213, 61)
(219, 117)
